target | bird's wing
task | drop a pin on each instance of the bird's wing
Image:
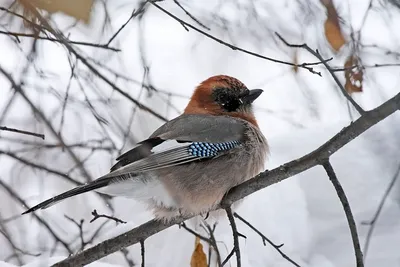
(182, 131)
(184, 139)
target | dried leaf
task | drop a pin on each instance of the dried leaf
(353, 74)
(199, 258)
(332, 28)
(79, 9)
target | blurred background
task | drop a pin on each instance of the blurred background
(97, 76)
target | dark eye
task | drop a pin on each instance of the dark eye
(227, 100)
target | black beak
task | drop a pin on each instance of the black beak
(253, 95)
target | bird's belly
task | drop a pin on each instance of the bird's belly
(198, 186)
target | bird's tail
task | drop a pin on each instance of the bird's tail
(96, 184)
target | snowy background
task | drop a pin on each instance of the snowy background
(297, 112)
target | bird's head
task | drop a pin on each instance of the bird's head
(223, 95)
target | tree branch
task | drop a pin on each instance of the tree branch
(96, 216)
(43, 222)
(347, 210)
(262, 180)
(231, 46)
(235, 233)
(4, 128)
(35, 36)
(264, 238)
(375, 218)
(332, 72)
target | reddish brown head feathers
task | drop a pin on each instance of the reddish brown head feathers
(223, 95)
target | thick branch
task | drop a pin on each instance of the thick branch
(264, 179)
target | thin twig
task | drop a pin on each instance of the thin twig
(335, 78)
(347, 210)
(96, 216)
(264, 238)
(31, 35)
(134, 14)
(16, 197)
(129, 261)
(211, 241)
(80, 227)
(235, 233)
(233, 47)
(190, 15)
(21, 92)
(206, 239)
(40, 167)
(372, 223)
(4, 128)
(228, 257)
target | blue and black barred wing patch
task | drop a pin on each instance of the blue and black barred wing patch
(207, 150)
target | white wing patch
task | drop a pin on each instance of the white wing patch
(167, 145)
(143, 190)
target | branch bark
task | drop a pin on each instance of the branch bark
(262, 180)
(347, 210)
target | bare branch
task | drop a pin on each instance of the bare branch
(129, 261)
(262, 180)
(191, 16)
(211, 241)
(235, 233)
(43, 222)
(185, 24)
(264, 238)
(347, 210)
(133, 15)
(80, 227)
(4, 128)
(372, 223)
(40, 167)
(211, 231)
(96, 216)
(318, 55)
(228, 257)
(35, 36)
(142, 252)
(64, 40)
(19, 90)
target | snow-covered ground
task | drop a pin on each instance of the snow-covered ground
(297, 112)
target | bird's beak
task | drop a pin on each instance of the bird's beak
(253, 95)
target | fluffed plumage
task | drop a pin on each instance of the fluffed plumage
(189, 163)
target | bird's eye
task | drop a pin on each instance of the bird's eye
(227, 100)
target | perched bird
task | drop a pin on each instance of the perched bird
(188, 164)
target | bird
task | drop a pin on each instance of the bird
(189, 163)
